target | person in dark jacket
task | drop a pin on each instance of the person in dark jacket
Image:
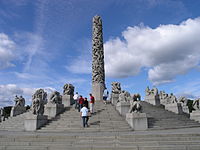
(86, 102)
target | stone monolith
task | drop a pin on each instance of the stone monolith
(98, 73)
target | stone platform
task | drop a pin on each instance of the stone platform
(107, 131)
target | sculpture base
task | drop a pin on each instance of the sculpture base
(174, 107)
(34, 122)
(123, 107)
(17, 110)
(138, 121)
(114, 98)
(185, 109)
(51, 110)
(153, 99)
(97, 91)
(67, 100)
(195, 115)
(163, 101)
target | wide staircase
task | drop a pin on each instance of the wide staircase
(104, 119)
(159, 118)
(107, 131)
(14, 123)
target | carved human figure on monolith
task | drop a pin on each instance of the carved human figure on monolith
(98, 73)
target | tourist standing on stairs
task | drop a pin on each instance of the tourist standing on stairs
(105, 95)
(92, 101)
(80, 101)
(84, 114)
(86, 102)
(76, 98)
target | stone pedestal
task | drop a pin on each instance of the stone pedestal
(34, 122)
(174, 107)
(123, 107)
(16, 110)
(195, 115)
(67, 100)
(138, 121)
(51, 110)
(163, 101)
(185, 109)
(114, 98)
(97, 91)
(153, 99)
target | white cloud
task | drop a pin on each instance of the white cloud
(8, 92)
(189, 89)
(166, 51)
(7, 48)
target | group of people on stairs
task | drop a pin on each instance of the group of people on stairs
(85, 107)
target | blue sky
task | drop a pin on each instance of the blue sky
(47, 43)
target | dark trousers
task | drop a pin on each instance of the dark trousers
(80, 106)
(76, 104)
(85, 120)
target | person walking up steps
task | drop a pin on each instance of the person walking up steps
(80, 103)
(92, 101)
(86, 103)
(105, 95)
(84, 114)
(76, 100)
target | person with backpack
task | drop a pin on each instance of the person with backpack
(84, 114)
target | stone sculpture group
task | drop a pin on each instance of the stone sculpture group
(39, 99)
(55, 98)
(68, 89)
(42, 109)
(19, 106)
(172, 103)
(129, 106)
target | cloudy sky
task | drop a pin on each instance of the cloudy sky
(47, 43)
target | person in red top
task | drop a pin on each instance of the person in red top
(80, 101)
(92, 101)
